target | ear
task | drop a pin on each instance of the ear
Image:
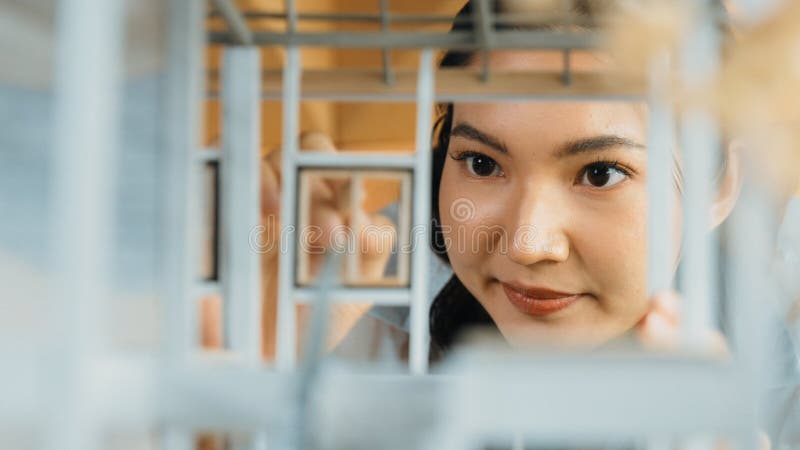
(729, 186)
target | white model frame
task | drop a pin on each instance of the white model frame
(171, 391)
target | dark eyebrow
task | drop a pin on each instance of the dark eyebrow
(596, 143)
(468, 131)
(585, 145)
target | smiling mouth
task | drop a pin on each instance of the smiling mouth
(538, 301)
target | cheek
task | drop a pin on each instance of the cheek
(612, 244)
(469, 214)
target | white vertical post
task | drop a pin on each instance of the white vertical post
(180, 208)
(420, 272)
(241, 205)
(303, 275)
(90, 35)
(286, 352)
(660, 190)
(699, 143)
(751, 289)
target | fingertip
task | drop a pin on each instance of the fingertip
(378, 236)
(316, 141)
(717, 344)
(656, 323)
(657, 333)
(669, 303)
(764, 442)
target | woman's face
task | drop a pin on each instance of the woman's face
(544, 209)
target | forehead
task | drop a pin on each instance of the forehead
(553, 123)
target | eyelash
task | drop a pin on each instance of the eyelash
(462, 157)
(607, 164)
(611, 164)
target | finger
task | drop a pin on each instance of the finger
(378, 239)
(715, 344)
(656, 332)
(326, 231)
(270, 189)
(668, 304)
(319, 187)
(318, 190)
(309, 141)
(764, 441)
(658, 328)
(316, 141)
(274, 160)
(378, 236)
(326, 223)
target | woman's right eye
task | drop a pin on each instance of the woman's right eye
(479, 164)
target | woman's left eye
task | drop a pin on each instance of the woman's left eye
(602, 174)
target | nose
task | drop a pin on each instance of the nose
(537, 227)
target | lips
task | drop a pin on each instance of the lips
(538, 301)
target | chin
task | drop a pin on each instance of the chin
(526, 333)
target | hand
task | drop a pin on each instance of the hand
(660, 328)
(327, 212)
(330, 212)
(330, 209)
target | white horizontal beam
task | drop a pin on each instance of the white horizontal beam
(390, 97)
(588, 400)
(378, 296)
(452, 84)
(506, 39)
(354, 160)
(583, 396)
